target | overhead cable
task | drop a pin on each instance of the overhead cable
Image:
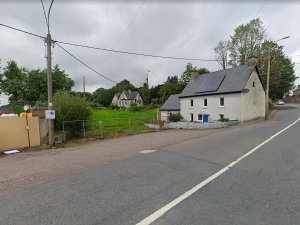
(85, 63)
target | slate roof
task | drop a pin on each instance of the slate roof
(130, 94)
(220, 82)
(172, 103)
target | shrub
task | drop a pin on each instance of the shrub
(175, 117)
(135, 108)
(114, 106)
(223, 119)
(69, 108)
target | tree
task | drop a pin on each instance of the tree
(69, 108)
(222, 51)
(171, 86)
(103, 96)
(13, 81)
(246, 41)
(186, 75)
(282, 74)
(29, 86)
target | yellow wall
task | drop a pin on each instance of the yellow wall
(13, 133)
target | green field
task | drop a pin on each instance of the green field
(111, 123)
(108, 114)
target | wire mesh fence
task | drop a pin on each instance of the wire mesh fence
(87, 130)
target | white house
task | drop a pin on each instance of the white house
(126, 98)
(236, 93)
(171, 106)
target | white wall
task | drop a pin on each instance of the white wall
(231, 108)
(164, 115)
(253, 102)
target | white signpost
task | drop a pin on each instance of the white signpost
(50, 114)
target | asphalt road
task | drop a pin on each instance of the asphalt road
(263, 188)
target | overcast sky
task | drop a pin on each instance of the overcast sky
(173, 28)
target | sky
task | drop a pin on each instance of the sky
(189, 29)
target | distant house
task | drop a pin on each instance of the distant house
(236, 93)
(296, 92)
(126, 98)
(171, 106)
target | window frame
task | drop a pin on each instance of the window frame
(220, 101)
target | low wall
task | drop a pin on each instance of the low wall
(194, 125)
(14, 135)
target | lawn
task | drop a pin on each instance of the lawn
(109, 114)
(109, 123)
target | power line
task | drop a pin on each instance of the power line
(44, 12)
(85, 64)
(129, 24)
(26, 32)
(135, 53)
(258, 11)
(112, 50)
(124, 31)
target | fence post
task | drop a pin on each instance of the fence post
(101, 130)
(129, 124)
(83, 127)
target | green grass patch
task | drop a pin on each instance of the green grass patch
(111, 123)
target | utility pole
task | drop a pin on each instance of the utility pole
(268, 78)
(50, 90)
(268, 85)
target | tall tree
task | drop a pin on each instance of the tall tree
(186, 75)
(13, 82)
(282, 74)
(222, 52)
(246, 41)
(171, 86)
(29, 86)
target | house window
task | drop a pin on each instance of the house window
(221, 116)
(253, 84)
(205, 102)
(200, 117)
(221, 101)
(125, 103)
(192, 117)
(192, 102)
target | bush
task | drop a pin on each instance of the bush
(69, 108)
(114, 106)
(223, 119)
(135, 108)
(175, 117)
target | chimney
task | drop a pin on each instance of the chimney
(194, 74)
(251, 61)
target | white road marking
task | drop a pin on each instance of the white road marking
(147, 151)
(157, 214)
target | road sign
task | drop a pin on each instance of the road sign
(50, 114)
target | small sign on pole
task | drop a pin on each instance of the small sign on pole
(50, 114)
